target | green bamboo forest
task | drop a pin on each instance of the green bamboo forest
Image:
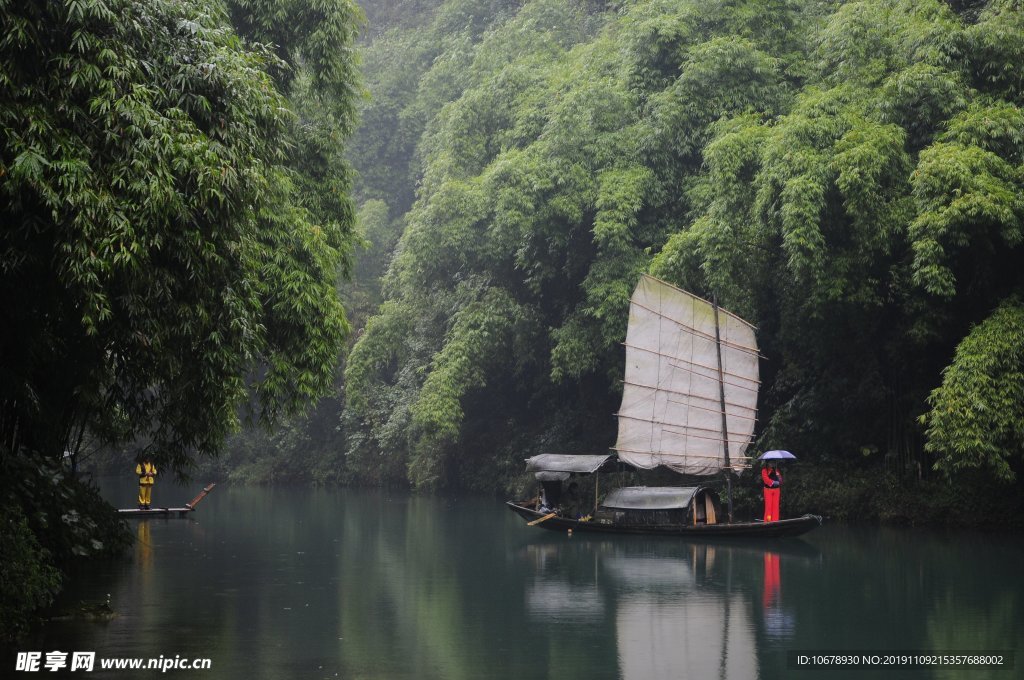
(393, 244)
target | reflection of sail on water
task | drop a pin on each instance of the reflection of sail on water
(684, 359)
(685, 639)
(651, 574)
(676, 611)
(667, 626)
(556, 601)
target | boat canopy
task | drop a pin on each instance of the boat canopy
(650, 497)
(551, 467)
(689, 400)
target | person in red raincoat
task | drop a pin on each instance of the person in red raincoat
(771, 477)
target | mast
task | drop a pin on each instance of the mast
(721, 394)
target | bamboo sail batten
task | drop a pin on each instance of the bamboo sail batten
(707, 336)
(744, 464)
(700, 299)
(677, 360)
(694, 396)
(678, 426)
(717, 410)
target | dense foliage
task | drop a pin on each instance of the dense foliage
(176, 217)
(846, 175)
(174, 228)
(49, 518)
(975, 417)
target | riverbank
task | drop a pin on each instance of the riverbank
(869, 494)
(863, 494)
(50, 520)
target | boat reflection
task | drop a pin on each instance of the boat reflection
(553, 596)
(678, 609)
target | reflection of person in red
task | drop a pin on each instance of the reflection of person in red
(771, 477)
(772, 582)
(779, 623)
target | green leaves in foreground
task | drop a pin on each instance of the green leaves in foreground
(975, 419)
(165, 260)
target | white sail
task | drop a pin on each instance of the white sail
(671, 411)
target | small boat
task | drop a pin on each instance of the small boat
(689, 404)
(167, 512)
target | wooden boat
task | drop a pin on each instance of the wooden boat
(167, 512)
(784, 527)
(689, 404)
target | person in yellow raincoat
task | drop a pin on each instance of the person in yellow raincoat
(146, 471)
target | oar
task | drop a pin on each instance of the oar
(541, 519)
(201, 496)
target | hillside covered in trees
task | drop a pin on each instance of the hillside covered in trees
(846, 175)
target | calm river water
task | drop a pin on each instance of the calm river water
(336, 583)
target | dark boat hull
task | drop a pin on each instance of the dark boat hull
(782, 528)
(154, 512)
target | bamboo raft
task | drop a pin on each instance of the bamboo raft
(167, 512)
